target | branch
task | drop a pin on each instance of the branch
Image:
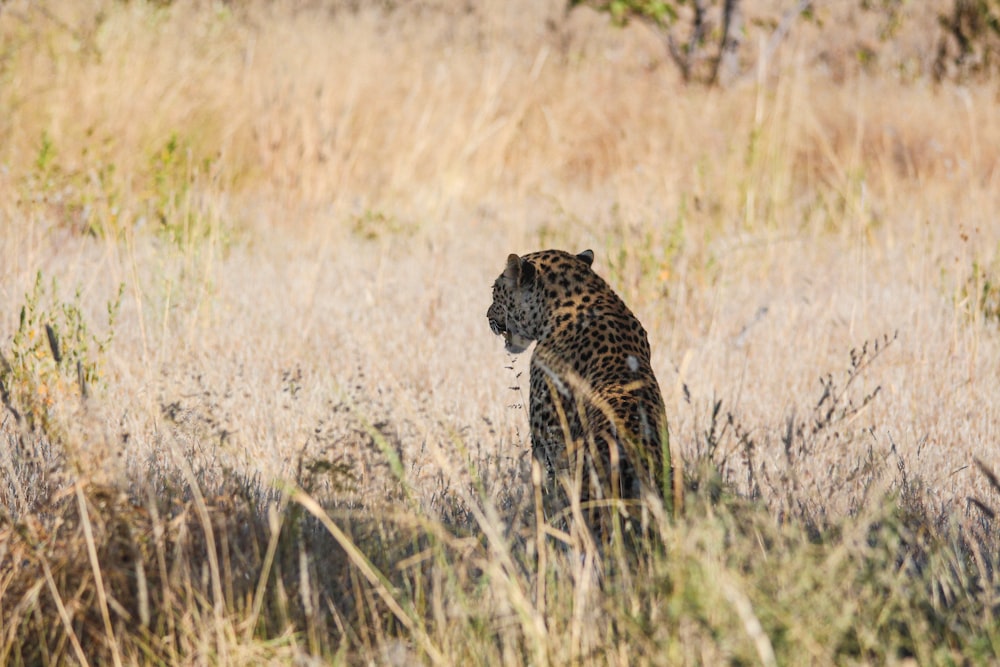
(783, 27)
(728, 61)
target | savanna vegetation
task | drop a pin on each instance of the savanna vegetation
(251, 411)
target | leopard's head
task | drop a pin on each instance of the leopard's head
(520, 308)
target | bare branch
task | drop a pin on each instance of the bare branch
(727, 67)
(784, 26)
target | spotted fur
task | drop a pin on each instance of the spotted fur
(594, 399)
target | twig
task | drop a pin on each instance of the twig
(784, 26)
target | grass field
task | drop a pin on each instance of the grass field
(253, 412)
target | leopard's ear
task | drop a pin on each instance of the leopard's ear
(513, 270)
(527, 274)
(518, 271)
(587, 256)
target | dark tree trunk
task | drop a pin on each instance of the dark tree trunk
(727, 67)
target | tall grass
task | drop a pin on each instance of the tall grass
(253, 413)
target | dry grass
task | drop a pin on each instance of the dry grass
(306, 207)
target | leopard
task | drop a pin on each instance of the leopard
(597, 418)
